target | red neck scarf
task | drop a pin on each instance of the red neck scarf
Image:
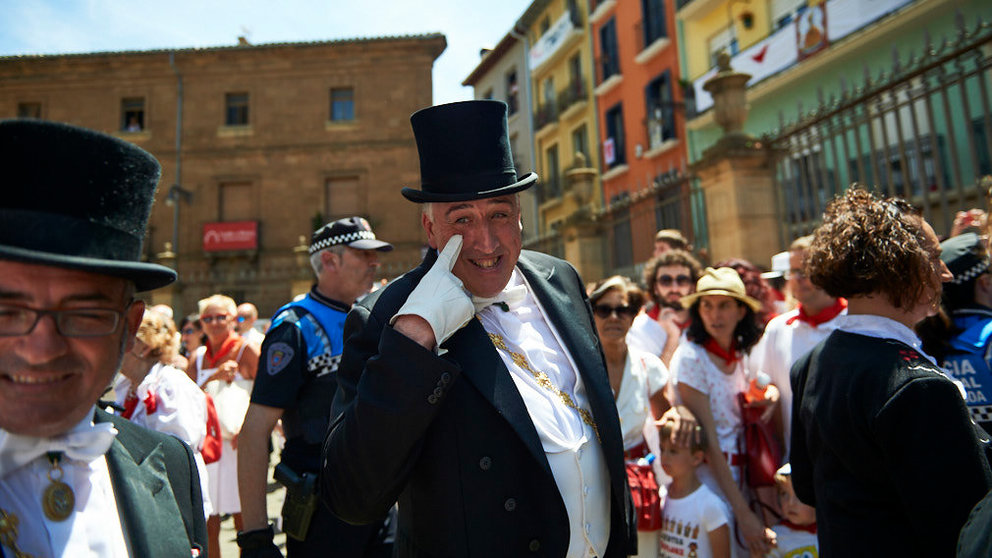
(820, 317)
(131, 403)
(729, 357)
(811, 528)
(211, 360)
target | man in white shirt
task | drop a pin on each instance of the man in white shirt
(75, 481)
(667, 277)
(473, 389)
(791, 335)
(247, 315)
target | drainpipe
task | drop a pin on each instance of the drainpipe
(521, 35)
(176, 189)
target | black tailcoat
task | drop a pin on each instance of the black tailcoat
(450, 438)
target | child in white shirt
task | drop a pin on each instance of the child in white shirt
(797, 531)
(694, 519)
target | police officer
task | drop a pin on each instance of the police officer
(296, 382)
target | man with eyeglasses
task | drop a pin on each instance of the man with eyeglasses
(74, 480)
(296, 382)
(791, 335)
(667, 279)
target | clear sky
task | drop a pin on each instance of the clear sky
(70, 26)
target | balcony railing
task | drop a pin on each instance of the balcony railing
(575, 92)
(546, 113)
(660, 128)
(645, 37)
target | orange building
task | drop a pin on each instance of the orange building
(639, 105)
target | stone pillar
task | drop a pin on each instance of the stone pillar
(737, 177)
(169, 294)
(580, 232)
(741, 207)
(303, 279)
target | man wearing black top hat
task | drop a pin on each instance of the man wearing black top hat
(296, 381)
(75, 481)
(473, 389)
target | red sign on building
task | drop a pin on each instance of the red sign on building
(232, 235)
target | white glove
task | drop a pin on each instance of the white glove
(440, 298)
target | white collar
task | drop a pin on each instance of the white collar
(880, 327)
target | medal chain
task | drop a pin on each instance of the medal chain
(8, 533)
(544, 381)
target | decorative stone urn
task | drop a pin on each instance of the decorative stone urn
(728, 89)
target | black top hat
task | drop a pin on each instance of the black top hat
(77, 198)
(464, 153)
(354, 232)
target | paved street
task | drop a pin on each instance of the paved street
(228, 535)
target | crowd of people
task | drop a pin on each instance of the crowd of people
(488, 402)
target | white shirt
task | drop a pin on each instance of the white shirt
(686, 524)
(692, 366)
(94, 528)
(643, 375)
(881, 327)
(647, 335)
(782, 344)
(571, 446)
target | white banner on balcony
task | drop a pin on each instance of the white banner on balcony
(767, 57)
(550, 42)
(780, 51)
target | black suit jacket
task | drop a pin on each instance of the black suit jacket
(884, 448)
(157, 489)
(450, 438)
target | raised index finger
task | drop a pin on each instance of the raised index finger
(449, 255)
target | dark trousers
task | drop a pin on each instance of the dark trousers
(329, 537)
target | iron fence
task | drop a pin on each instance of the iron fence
(920, 131)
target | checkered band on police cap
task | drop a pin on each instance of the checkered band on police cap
(342, 231)
(965, 256)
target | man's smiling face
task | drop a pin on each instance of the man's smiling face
(490, 230)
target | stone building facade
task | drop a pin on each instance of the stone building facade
(257, 142)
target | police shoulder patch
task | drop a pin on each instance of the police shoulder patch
(278, 357)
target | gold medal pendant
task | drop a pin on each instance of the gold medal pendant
(58, 501)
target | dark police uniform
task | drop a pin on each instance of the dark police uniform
(297, 373)
(969, 361)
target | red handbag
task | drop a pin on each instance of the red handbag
(644, 493)
(212, 443)
(762, 454)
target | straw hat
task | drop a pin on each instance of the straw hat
(723, 281)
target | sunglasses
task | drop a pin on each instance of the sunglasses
(604, 311)
(221, 318)
(189, 331)
(667, 280)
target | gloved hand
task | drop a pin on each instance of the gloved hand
(257, 543)
(440, 298)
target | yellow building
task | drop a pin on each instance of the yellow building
(559, 61)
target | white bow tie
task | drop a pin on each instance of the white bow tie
(507, 299)
(84, 443)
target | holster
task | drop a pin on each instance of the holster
(300, 503)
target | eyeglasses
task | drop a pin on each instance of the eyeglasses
(241, 319)
(795, 274)
(221, 318)
(188, 331)
(78, 322)
(682, 280)
(604, 311)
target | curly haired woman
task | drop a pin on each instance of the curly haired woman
(882, 443)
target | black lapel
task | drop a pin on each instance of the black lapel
(482, 365)
(150, 517)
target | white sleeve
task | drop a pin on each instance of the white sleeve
(686, 368)
(646, 335)
(180, 409)
(713, 514)
(655, 371)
